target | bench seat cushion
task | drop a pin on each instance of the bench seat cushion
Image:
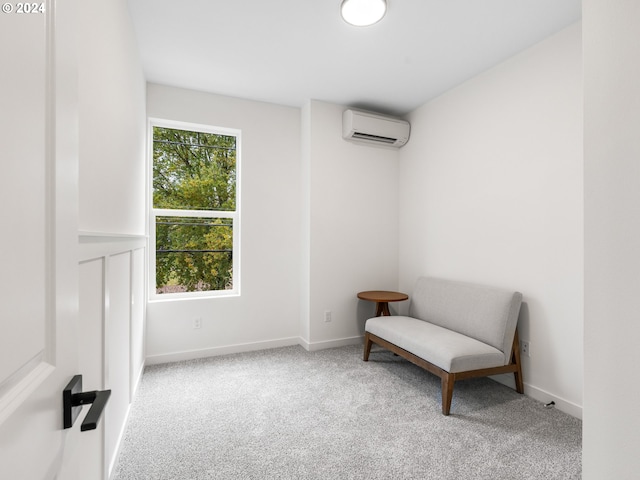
(451, 351)
(485, 313)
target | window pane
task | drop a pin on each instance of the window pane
(193, 170)
(193, 254)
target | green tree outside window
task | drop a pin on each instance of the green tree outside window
(194, 186)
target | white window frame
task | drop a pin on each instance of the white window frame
(156, 212)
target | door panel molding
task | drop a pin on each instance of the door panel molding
(30, 343)
(113, 307)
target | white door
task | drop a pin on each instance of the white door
(38, 239)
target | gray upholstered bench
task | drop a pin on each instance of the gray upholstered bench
(454, 330)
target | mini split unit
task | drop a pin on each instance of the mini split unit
(374, 129)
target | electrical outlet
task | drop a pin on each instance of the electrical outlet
(525, 348)
(197, 322)
(327, 316)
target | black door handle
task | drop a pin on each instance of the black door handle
(73, 398)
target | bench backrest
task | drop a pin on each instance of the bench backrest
(487, 314)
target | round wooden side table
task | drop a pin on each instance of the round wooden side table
(382, 299)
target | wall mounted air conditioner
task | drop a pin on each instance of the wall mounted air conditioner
(374, 129)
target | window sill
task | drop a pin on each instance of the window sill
(177, 297)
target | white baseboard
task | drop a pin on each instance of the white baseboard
(250, 347)
(112, 463)
(542, 396)
(135, 381)
(216, 351)
(561, 404)
(340, 342)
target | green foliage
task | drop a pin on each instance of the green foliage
(193, 171)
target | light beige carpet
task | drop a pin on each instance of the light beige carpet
(291, 414)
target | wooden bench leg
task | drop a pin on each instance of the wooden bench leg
(515, 356)
(447, 392)
(367, 346)
(519, 382)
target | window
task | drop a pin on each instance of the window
(194, 210)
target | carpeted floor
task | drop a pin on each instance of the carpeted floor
(291, 414)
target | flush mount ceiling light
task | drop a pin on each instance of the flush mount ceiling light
(362, 13)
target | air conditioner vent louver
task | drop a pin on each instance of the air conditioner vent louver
(374, 129)
(374, 138)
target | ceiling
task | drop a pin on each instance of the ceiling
(290, 51)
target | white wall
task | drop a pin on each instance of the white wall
(112, 121)
(352, 221)
(612, 239)
(338, 202)
(491, 192)
(111, 142)
(266, 314)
